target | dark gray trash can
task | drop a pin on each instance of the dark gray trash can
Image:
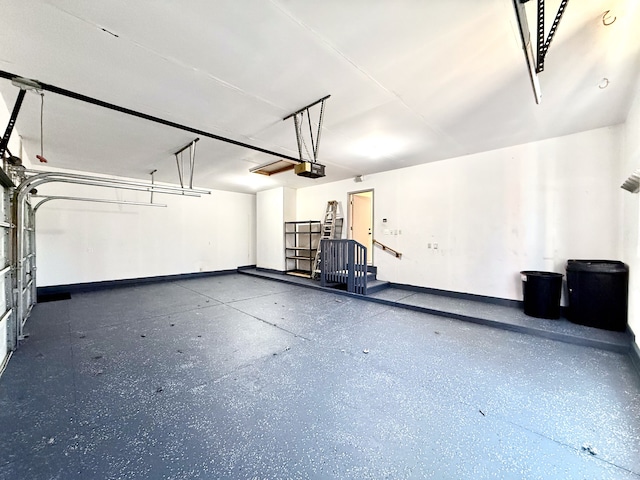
(598, 293)
(541, 291)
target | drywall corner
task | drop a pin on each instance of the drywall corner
(270, 218)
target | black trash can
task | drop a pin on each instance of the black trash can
(598, 293)
(541, 292)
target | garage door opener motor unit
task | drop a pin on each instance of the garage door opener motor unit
(309, 170)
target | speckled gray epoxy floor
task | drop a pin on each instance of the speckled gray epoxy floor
(490, 314)
(240, 377)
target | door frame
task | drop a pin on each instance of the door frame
(350, 219)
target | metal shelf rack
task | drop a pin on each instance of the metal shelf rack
(301, 241)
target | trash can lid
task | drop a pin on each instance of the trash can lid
(536, 273)
(599, 266)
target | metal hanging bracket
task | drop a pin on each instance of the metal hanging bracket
(180, 162)
(24, 84)
(4, 143)
(302, 167)
(543, 45)
(535, 63)
(152, 183)
(298, 121)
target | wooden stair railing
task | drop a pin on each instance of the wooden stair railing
(387, 249)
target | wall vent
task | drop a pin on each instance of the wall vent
(632, 184)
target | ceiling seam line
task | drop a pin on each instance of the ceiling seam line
(176, 62)
(361, 70)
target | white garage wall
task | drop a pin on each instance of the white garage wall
(269, 236)
(274, 207)
(81, 242)
(527, 207)
(631, 225)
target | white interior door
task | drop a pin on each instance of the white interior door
(361, 220)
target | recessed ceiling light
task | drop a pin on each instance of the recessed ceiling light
(604, 83)
(377, 146)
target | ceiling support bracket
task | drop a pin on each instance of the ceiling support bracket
(152, 183)
(543, 45)
(298, 121)
(180, 162)
(12, 121)
(535, 63)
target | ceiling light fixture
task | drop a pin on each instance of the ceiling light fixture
(376, 146)
(604, 83)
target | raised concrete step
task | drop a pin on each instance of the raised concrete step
(374, 286)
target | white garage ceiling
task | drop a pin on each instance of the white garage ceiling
(411, 81)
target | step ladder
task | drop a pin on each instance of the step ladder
(331, 230)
